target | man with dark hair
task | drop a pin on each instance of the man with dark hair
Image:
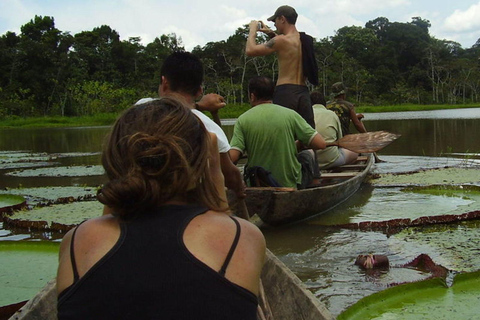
(182, 77)
(296, 60)
(184, 72)
(261, 87)
(269, 132)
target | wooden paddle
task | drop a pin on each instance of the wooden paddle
(366, 142)
(263, 312)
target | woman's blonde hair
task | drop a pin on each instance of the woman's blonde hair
(156, 152)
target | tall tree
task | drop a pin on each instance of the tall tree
(93, 54)
(42, 49)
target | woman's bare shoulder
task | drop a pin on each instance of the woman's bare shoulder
(91, 232)
(218, 220)
(99, 224)
(93, 238)
(221, 226)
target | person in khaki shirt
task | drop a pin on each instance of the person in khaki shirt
(289, 45)
(328, 125)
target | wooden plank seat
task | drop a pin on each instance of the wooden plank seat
(360, 166)
(334, 175)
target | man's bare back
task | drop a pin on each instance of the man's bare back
(289, 51)
(291, 88)
(288, 48)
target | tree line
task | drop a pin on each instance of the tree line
(46, 72)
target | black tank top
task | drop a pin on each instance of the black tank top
(150, 274)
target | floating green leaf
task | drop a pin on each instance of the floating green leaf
(9, 202)
(428, 299)
(26, 267)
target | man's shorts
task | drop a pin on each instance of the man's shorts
(295, 97)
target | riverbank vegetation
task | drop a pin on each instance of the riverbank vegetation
(46, 72)
(229, 112)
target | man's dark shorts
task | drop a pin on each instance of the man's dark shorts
(295, 97)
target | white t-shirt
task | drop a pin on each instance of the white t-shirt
(210, 125)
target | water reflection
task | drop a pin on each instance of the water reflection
(322, 255)
(53, 140)
(431, 137)
(466, 113)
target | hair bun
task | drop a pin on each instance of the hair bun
(158, 155)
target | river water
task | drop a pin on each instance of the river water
(321, 255)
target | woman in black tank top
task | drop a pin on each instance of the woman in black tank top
(169, 249)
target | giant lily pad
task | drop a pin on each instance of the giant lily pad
(73, 171)
(9, 202)
(60, 217)
(455, 175)
(429, 299)
(454, 246)
(26, 267)
(410, 203)
(21, 165)
(409, 164)
(24, 156)
(46, 195)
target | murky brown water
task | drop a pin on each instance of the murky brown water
(320, 255)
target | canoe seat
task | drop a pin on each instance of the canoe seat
(333, 175)
(350, 166)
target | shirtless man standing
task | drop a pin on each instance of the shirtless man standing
(290, 46)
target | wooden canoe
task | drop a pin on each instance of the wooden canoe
(277, 206)
(286, 294)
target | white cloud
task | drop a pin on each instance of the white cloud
(466, 20)
(211, 20)
(14, 13)
(355, 7)
(233, 13)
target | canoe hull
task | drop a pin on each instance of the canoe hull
(276, 207)
(286, 295)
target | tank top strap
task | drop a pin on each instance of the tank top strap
(232, 248)
(72, 256)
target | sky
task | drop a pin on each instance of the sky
(200, 22)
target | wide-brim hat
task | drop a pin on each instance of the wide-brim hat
(338, 88)
(285, 11)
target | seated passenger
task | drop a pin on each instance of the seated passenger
(328, 125)
(268, 133)
(344, 109)
(169, 250)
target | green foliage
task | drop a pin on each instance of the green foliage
(47, 72)
(93, 97)
(428, 299)
(410, 107)
(233, 111)
(102, 119)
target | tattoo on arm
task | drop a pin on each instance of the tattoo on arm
(270, 43)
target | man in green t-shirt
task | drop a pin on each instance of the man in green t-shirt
(268, 133)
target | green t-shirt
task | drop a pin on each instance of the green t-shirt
(267, 133)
